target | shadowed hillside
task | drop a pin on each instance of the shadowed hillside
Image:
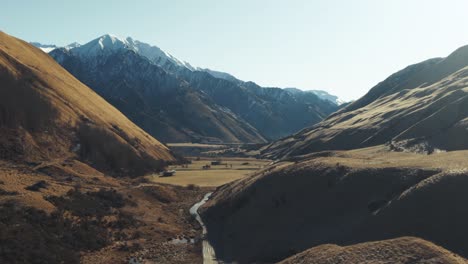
(165, 106)
(341, 198)
(274, 112)
(45, 114)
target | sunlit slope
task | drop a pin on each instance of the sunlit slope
(422, 108)
(46, 113)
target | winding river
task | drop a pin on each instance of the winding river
(209, 255)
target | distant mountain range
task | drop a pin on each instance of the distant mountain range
(50, 47)
(177, 102)
(44, 47)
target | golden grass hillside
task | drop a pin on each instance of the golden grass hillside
(403, 250)
(421, 108)
(341, 197)
(45, 113)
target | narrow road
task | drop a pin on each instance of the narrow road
(209, 255)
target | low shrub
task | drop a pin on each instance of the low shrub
(3, 192)
(37, 186)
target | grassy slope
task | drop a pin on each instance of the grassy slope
(403, 250)
(45, 112)
(426, 103)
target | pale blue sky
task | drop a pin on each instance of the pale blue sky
(344, 47)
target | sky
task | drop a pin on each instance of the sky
(343, 47)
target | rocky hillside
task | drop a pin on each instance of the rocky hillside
(47, 114)
(176, 102)
(422, 108)
(341, 198)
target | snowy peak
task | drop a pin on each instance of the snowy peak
(157, 55)
(72, 45)
(105, 44)
(50, 47)
(326, 96)
(110, 43)
(44, 47)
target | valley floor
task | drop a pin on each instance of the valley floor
(229, 170)
(80, 215)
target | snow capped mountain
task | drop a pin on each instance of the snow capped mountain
(72, 45)
(105, 44)
(161, 103)
(156, 55)
(324, 95)
(140, 79)
(44, 47)
(50, 47)
(108, 43)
